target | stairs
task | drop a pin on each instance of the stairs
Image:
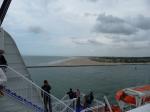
(19, 85)
(8, 104)
(22, 94)
(20, 99)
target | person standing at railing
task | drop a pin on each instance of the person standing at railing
(46, 98)
(71, 93)
(85, 101)
(3, 79)
(79, 107)
(3, 62)
(90, 98)
(77, 93)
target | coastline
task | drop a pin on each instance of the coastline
(88, 61)
(83, 62)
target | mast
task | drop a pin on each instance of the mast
(3, 10)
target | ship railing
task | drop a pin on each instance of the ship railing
(99, 108)
(3, 77)
(23, 89)
(65, 97)
(95, 106)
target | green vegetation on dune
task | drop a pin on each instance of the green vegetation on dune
(121, 59)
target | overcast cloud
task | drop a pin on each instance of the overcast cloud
(80, 27)
(114, 25)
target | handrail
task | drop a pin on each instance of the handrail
(29, 81)
(97, 104)
(108, 104)
(92, 108)
(65, 96)
(97, 101)
(3, 76)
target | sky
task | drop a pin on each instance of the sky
(80, 27)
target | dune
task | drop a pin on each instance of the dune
(77, 62)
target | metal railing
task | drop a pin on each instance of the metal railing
(3, 77)
(95, 106)
(27, 92)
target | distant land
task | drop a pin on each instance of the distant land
(121, 59)
(77, 61)
(101, 61)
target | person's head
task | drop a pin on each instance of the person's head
(77, 89)
(1, 52)
(45, 82)
(70, 89)
(91, 93)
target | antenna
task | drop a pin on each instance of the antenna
(3, 10)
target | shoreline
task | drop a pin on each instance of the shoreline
(82, 65)
(83, 62)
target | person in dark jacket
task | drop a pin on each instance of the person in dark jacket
(90, 98)
(2, 60)
(71, 94)
(46, 98)
(78, 105)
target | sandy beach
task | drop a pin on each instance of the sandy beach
(77, 61)
(80, 61)
(85, 61)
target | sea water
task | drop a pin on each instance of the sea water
(102, 80)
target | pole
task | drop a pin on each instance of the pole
(3, 10)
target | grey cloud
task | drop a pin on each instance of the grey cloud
(138, 45)
(142, 22)
(109, 18)
(138, 37)
(95, 42)
(36, 29)
(87, 14)
(147, 2)
(1, 1)
(113, 25)
(78, 42)
(93, 0)
(119, 39)
(85, 41)
(137, 41)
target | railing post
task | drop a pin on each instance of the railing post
(108, 104)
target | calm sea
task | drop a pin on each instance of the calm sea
(102, 80)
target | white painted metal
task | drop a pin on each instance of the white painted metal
(108, 104)
(19, 84)
(133, 92)
(1, 39)
(144, 108)
(30, 95)
(96, 106)
(14, 60)
(3, 77)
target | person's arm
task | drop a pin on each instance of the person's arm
(50, 87)
(42, 92)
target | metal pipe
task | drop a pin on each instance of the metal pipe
(3, 10)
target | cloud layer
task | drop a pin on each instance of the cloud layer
(80, 27)
(114, 25)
